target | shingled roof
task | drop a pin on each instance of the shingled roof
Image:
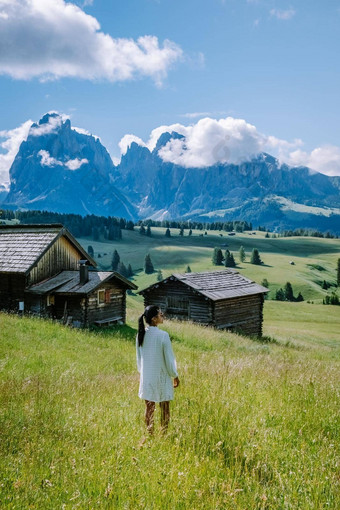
(67, 282)
(21, 246)
(216, 285)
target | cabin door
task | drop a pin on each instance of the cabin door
(178, 306)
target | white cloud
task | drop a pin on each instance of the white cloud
(52, 39)
(11, 143)
(127, 140)
(71, 164)
(325, 159)
(83, 131)
(47, 160)
(230, 140)
(75, 164)
(54, 122)
(283, 14)
(208, 142)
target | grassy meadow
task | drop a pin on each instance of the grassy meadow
(255, 424)
(314, 258)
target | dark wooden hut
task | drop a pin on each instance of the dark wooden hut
(45, 271)
(82, 297)
(224, 299)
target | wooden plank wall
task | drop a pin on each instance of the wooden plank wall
(244, 313)
(200, 309)
(116, 307)
(61, 256)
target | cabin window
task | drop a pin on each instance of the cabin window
(101, 297)
(177, 305)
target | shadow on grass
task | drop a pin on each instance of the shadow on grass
(123, 332)
(270, 340)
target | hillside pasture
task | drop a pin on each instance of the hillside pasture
(175, 253)
(254, 425)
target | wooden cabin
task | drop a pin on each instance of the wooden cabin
(82, 297)
(223, 299)
(45, 271)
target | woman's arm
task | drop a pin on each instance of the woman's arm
(138, 356)
(169, 357)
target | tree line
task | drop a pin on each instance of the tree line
(107, 227)
(227, 226)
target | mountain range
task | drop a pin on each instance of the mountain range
(61, 169)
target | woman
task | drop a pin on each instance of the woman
(157, 366)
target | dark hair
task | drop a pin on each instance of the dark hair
(149, 313)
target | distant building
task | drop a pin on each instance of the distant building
(46, 272)
(223, 299)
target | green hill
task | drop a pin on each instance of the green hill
(254, 425)
(315, 259)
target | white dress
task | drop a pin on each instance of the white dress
(157, 366)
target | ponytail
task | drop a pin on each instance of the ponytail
(149, 312)
(141, 330)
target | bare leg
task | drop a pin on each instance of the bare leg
(149, 415)
(165, 415)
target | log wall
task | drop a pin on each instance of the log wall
(244, 314)
(199, 308)
(61, 256)
(115, 308)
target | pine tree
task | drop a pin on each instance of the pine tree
(188, 269)
(325, 285)
(129, 271)
(167, 232)
(229, 260)
(217, 258)
(242, 254)
(148, 266)
(181, 231)
(267, 235)
(115, 260)
(334, 300)
(142, 230)
(288, 291)
(121, 269)
(159, 276)
(148, 231)
(265, 283)
(190, 232)
(299, 297)
(90, 251)
(255, 257)
(338, 273)
(280, 295)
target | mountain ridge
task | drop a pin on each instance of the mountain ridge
(60, 169)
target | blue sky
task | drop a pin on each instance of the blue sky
(272, 63)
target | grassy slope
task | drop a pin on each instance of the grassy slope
(254, 425)
(175, 253)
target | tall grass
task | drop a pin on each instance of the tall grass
(254, 425)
